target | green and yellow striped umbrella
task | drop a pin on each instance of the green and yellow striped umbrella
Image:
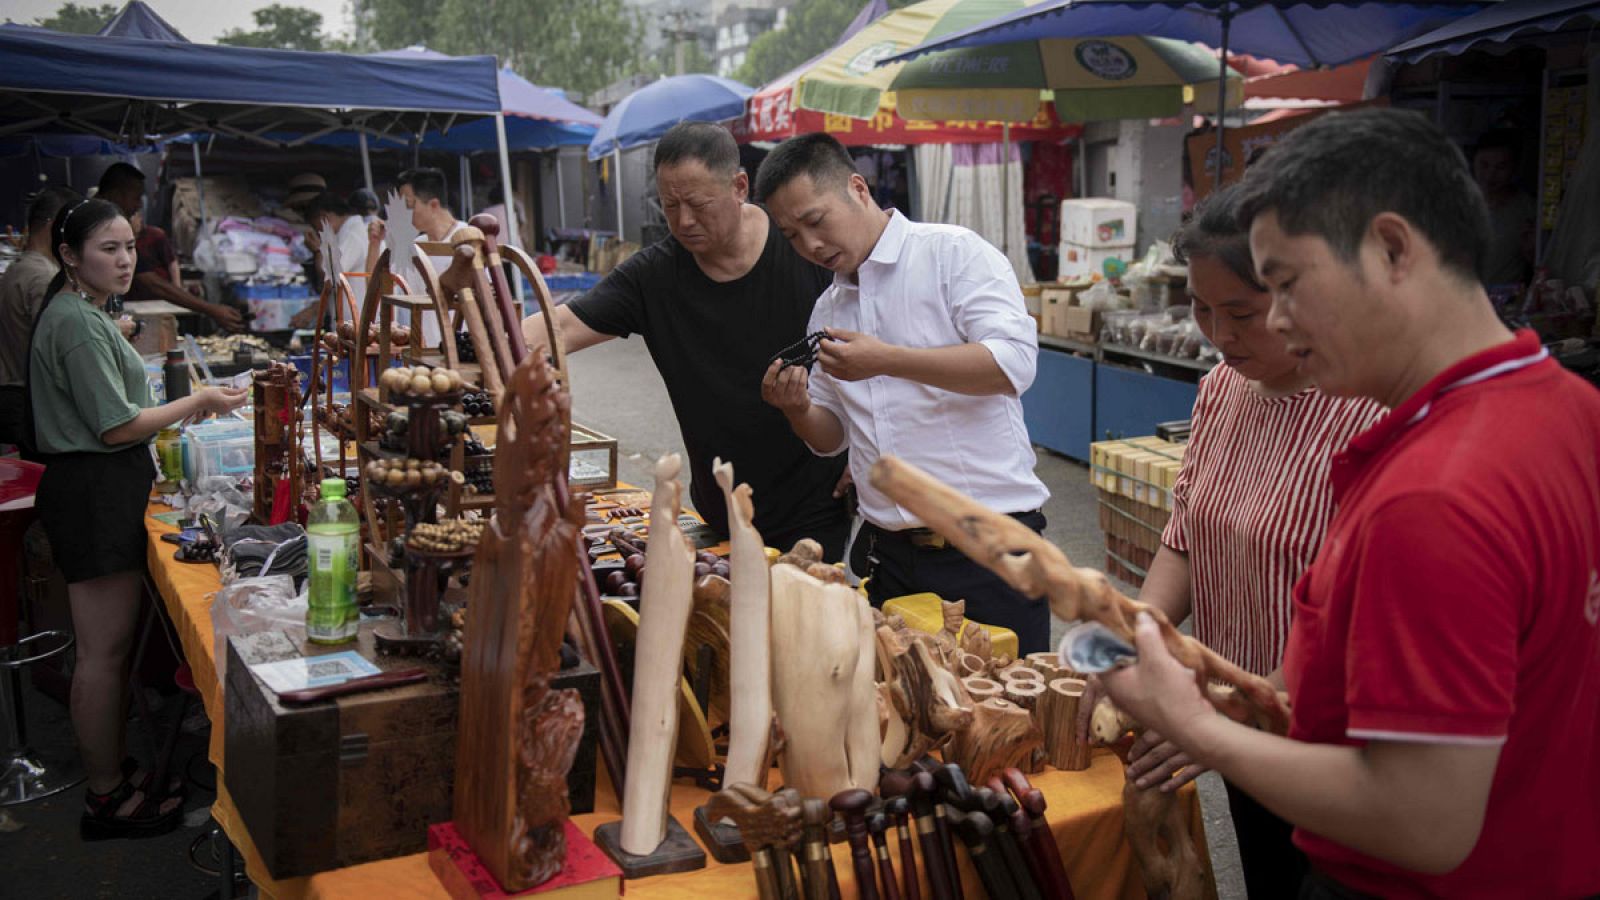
(1090, 79)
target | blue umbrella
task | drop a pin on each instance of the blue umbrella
(647, 113)
(1309, 33)
(1500, 23)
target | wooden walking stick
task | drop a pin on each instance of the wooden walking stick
(1031, 801)
(460, 279)
(899, 809)
(959, 797)
(1036, 568)
(921, 796)
(821, 882)
(1006, 842)
(877, 827)
(1033, 850)
(733, 804)
(977, 832)
(852, 806)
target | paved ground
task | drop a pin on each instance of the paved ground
(617, 391)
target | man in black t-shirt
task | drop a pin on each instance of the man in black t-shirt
(714, 302)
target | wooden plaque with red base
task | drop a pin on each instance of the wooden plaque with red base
(587, 873)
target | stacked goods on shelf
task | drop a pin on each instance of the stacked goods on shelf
(1134, 478)
(1097, 237)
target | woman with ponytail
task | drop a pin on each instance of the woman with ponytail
(92, 419)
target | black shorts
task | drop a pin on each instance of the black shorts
(92, 506)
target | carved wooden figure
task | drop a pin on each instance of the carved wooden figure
(1038, 568)
(931, 704)
(750, 624)
(817, 650)
(518, 737)
(663, 616)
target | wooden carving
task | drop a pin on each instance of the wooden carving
(518, 737)
(657, 662)
(863, 738)
(750, 624)
(1156, 824)
(1002, 736)
(1038, 568)
(929, 700)
(1058, 719)
(817, 651)
(459, 280)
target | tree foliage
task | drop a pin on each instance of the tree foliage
(812, 27)
(280, 27)
(579, 45)
(75, 19)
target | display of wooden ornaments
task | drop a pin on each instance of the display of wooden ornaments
(407, 382)
(452, 536)
(395, 474)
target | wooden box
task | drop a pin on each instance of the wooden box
(339, 782)
(594, 460)
(359, 778)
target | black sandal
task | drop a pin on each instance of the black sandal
(100, 821)
(175, 785)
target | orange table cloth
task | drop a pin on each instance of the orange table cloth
(1085, 808)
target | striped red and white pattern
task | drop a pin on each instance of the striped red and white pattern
(1251, 505)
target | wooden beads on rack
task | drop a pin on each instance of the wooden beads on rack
(449, 536)
(395, 474)
(421, 381)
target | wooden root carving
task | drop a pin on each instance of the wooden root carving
(1156, 824)
(1002, 736)
(1037, 568)
(518, 737)
(749, 626)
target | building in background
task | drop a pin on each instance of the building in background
(737, 29)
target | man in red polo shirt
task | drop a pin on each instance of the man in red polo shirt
(1444, 659)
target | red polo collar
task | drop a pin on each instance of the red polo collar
(1521, 351)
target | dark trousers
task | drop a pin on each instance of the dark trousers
(831, 534)
(1273, 865)
(897, 566)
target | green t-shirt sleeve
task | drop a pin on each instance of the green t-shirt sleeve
(96, 386)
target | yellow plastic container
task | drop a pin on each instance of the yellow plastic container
(924, 613)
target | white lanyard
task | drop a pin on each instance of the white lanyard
(1494, 371)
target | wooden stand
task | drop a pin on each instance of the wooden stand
(677, 851)
(586, 873)
(721, 838)
(1058, 719)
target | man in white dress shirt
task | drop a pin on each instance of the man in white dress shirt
(928, 350)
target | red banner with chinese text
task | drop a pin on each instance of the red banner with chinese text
(770, 117)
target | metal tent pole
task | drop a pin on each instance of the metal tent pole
(561, 193)
(366, 161)
(616, 186)
(200, 188)
(462, 168)
(1222, 93)
(513, 234)
(1005, 189)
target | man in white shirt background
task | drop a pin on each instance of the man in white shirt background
(428, 197)
(928, 350)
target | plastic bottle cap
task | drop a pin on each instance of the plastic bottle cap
(333, 488)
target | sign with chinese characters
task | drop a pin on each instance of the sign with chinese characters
(771, 116)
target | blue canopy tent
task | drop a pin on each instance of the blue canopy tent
(136, 20)
(1308, 33)
(140, 90)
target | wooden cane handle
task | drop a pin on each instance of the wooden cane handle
(508, 311)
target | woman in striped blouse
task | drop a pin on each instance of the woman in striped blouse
(1251, 505)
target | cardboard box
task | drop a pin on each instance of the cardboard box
(1098, 222)
(1082, 261)
(1054, 301)
(1082, 324)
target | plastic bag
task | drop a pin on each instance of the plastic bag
(252, 605)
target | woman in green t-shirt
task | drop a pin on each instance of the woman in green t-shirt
(92, 422)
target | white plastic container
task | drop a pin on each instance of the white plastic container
(1099, 222)
(1077, 260)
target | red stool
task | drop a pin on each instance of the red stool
(25, 773)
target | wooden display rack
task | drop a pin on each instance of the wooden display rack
(275, 397)
(469, 296)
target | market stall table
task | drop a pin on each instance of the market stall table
(1085, 808)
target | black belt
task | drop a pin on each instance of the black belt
(924, 538)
